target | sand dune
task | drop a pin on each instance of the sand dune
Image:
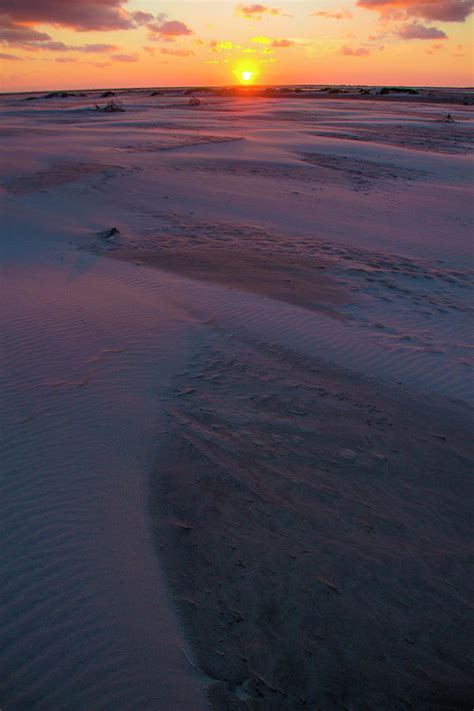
(317, 530)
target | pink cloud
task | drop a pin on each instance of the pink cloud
(142, 18)
(417, 31)
(441, 10)
(86, 48)
(17, 35)
(82, 15)
(32, 40)
(168, 30)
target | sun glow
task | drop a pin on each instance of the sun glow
(245, 72)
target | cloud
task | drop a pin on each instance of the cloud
(125, 58)
(282, 43)
(168, 30)
(177, 52)
(420, 32)
(337, 15)
(142, 18)
(256, 11)
(12, 57)
(354, 52)
(32, 40)
(81, 15)
(99, 48)
(65, 60)
(220, 46)
(86, 48)
(441, 10)
(17, 35)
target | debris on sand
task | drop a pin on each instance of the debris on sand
(54, 95)
(57, 95)
(110, 108)
(448, 118)
(109, 235)
(396, 90)
(194, 101)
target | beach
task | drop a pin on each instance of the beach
(237, 421)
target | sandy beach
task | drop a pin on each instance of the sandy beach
(236, 359)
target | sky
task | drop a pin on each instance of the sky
(59, 44)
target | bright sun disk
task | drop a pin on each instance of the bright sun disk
(247, 75)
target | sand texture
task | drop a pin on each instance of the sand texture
(316, 532)
(236, 369)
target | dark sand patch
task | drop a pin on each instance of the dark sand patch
(295, 280)
(362, 171)
(315, 532)
(175, 142)
(55, 176)
(439, 137)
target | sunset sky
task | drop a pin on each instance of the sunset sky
(52, 44)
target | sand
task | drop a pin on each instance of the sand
(237, 365)
(314, 528)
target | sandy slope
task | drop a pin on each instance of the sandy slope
(283, 342)
(316, 531)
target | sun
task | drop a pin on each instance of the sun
(245, 72)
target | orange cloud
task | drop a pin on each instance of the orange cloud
(282, 43)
